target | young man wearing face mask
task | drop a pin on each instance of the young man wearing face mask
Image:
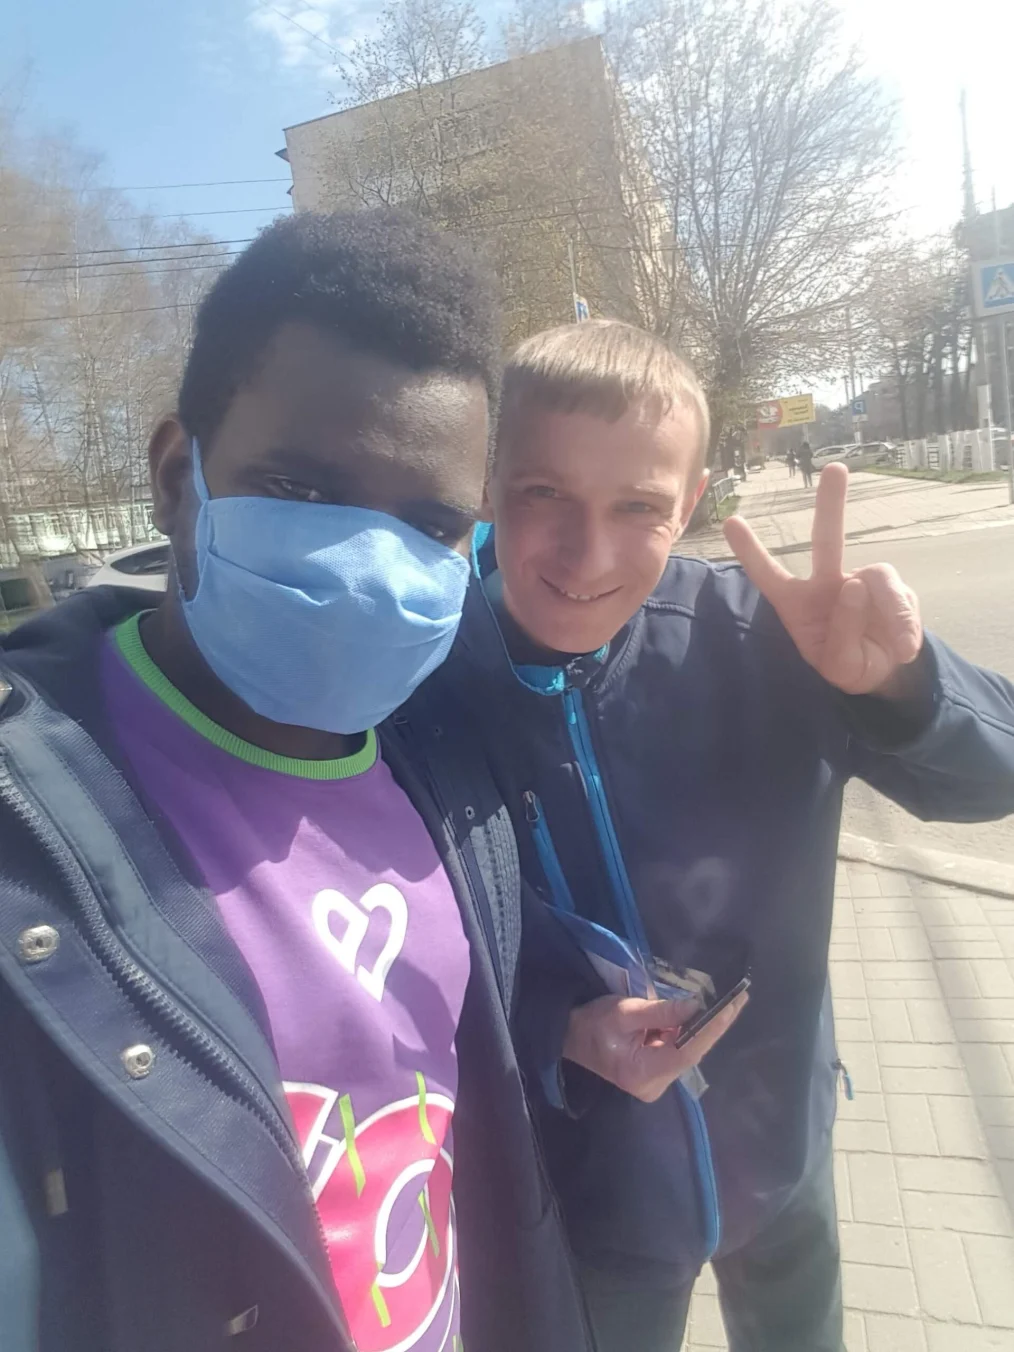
(673, 738)
(257, 937)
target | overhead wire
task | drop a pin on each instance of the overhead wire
(95, 314)
(164, 187)
(263, 4)
(210, 265)
(129, 248)
(41, 273)
(153, 216)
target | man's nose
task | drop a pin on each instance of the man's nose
(587, 549)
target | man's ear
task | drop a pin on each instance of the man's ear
(170, 464)
(692, 499)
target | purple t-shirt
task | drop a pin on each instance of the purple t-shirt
(331, 887)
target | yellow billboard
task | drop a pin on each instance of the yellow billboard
(794, 411)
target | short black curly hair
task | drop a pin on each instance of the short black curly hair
(385, 280)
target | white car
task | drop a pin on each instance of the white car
(855, 457)
(144, 566)
(827, 454)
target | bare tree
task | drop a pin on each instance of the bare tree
(532, 25)
(913, 323)
(769, 147)
(95, 319)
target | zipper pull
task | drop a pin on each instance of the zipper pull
(846, 1078)
(532, 813)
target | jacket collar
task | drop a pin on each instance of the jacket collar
(56, 653)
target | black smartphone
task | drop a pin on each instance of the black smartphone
(691, 1029)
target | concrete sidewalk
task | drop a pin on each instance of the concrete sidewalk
(923, 980)
(781, 510)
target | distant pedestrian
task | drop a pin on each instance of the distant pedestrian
(806, 464)
(790, 460)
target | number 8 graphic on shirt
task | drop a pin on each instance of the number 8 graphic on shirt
(383, 1193)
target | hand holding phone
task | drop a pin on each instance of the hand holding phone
(701, 1021)
(631, 1042)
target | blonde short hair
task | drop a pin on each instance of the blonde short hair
(601, 367)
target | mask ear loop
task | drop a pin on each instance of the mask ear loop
(203, 496)
(200, 483)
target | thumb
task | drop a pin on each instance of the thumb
(642, 1016)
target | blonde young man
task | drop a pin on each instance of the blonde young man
(673, 737)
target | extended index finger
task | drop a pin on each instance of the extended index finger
(828, 534)
(766, 574)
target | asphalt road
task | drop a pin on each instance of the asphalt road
(966, 586)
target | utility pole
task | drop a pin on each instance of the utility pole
(968, 187)
(852, 369)
(1000, 329)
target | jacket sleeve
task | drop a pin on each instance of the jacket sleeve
(553, 977)
(951, 761)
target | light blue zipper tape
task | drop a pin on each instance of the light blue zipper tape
(548, 858)
(580, 736)
(711, 1220)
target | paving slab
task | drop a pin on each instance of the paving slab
(924, 1153)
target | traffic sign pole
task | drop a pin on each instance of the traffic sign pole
(1001, 333)
(1001, 336)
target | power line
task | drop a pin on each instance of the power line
(95, 314)
(262, 4)
(156, 216)
(111, 276)
(129, 248)
(164, 187)
(35, 272)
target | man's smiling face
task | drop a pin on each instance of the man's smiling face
(587, 512)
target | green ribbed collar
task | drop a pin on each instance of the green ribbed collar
(128, 640)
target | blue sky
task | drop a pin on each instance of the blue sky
(199, 90)
(179, 91)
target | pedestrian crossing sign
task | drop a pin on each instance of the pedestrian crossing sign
(994, 287)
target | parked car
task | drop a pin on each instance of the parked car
(856, 457)
(145, 566)
(827, 454)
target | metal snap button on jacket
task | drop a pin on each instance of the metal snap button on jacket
(38, 943)
(138, 1061)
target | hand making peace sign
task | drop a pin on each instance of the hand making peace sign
(857, 629)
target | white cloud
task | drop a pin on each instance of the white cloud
(303, 36)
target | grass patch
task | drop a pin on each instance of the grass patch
(702, 518)
(11, 619)
(942, 476)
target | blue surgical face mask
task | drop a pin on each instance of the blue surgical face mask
(321, 616)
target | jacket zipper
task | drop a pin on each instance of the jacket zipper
(471, 871)
(559, 888)
(623, 892)
(159, 1009)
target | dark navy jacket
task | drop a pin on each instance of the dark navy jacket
(688, 782)
(170, 1212)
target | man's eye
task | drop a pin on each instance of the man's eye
(540, 491)
(636, 508)
(297, 492)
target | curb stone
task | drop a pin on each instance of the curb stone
(955, 870)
